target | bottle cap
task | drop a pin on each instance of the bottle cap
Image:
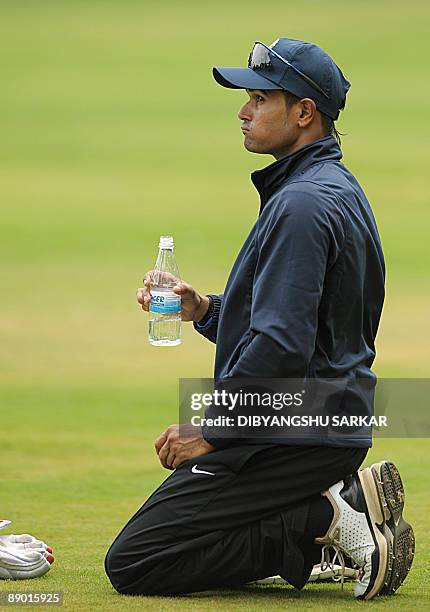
(166, 242)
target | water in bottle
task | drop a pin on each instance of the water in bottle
(165, 305)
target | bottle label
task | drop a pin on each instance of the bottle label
(162, 301)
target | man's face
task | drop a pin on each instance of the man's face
(265, 122)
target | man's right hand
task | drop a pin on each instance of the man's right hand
(193, 305)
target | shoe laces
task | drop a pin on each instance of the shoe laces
(328, 562)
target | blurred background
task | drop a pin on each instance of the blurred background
(112, 132)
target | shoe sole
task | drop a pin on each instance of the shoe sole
(335, 575)
(376, 517)
(319, 576)
(268, 581)
(392, 497)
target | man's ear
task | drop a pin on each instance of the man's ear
(308, 111)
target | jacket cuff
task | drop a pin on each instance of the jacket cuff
(208, 326)
(207, 319)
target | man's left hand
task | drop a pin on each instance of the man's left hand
(173, 449)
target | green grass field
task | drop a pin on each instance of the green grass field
(114, 132)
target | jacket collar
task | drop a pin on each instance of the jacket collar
(269, 179)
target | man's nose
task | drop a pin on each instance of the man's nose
(244, 112)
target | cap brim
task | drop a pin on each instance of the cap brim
(241, 78)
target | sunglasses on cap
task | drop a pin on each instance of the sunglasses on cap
(260, 58)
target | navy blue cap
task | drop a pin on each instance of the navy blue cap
(325, 83)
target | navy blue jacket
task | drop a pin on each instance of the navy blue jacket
(305, 294)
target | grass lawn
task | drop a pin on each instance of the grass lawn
(81, 462)
(112, 133)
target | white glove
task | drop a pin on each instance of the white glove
(24, 541)
(23, 556)
(22, 565)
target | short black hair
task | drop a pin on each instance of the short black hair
(327, 122)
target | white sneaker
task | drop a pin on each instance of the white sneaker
(398, 532)
(357, 530)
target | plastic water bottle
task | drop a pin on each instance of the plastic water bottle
(165, 305)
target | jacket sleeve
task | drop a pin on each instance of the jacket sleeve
(210, 327)
(303, 239)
